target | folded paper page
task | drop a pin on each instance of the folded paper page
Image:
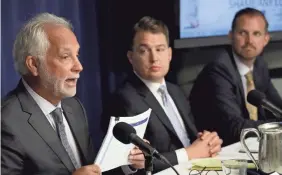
(113, 153)
(211, 164)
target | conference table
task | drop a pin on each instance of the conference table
(233, 151)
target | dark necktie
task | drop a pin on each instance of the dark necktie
(60, 127)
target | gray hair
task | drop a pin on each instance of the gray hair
(32, 40)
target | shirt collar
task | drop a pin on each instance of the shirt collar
(43, 104)
(153, 86)
(242, 68)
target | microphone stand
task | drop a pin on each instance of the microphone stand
(148, 163)
(149, 158)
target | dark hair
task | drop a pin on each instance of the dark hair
(250, 12)
(149, 24)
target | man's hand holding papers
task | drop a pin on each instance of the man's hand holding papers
(113, 153)
(136, 157)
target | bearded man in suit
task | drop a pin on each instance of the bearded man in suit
(44, 127)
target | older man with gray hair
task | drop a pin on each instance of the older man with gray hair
(44, 127)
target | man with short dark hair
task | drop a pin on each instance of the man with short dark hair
(171, 128)
(218, 97)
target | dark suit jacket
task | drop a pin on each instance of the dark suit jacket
(29, 144)
(217, 98)
(134, 98)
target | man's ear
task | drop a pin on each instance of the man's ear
(170, 53)
(266, 39)
(32, 65)
(130, 56)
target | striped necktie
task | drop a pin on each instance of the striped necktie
(253, 111)
(180, 131)
(60, 127)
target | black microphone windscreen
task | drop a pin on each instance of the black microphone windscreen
(122, 132)
(255, 97)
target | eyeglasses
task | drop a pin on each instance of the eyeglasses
(199, 172)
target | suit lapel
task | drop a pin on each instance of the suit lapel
(158, 110)
(258, 78)
(152, 102)
(41, 125)
(77, 132)
(191, 129)
(258, 82)
(237, 77)
(47, 133)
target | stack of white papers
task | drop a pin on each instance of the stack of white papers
(114, 153)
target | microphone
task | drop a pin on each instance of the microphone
(126, 134)
(257, 99)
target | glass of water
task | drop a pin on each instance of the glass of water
(234, 167)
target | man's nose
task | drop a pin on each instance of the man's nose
(153, 56)
(77, 67)
(249, 39)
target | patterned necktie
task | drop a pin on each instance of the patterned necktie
(253, 111)
(60, 127)
(180, 131)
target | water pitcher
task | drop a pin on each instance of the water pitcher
(270, 146)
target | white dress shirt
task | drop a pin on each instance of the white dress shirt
(47, 108)
(181, 154)
(243, 70)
